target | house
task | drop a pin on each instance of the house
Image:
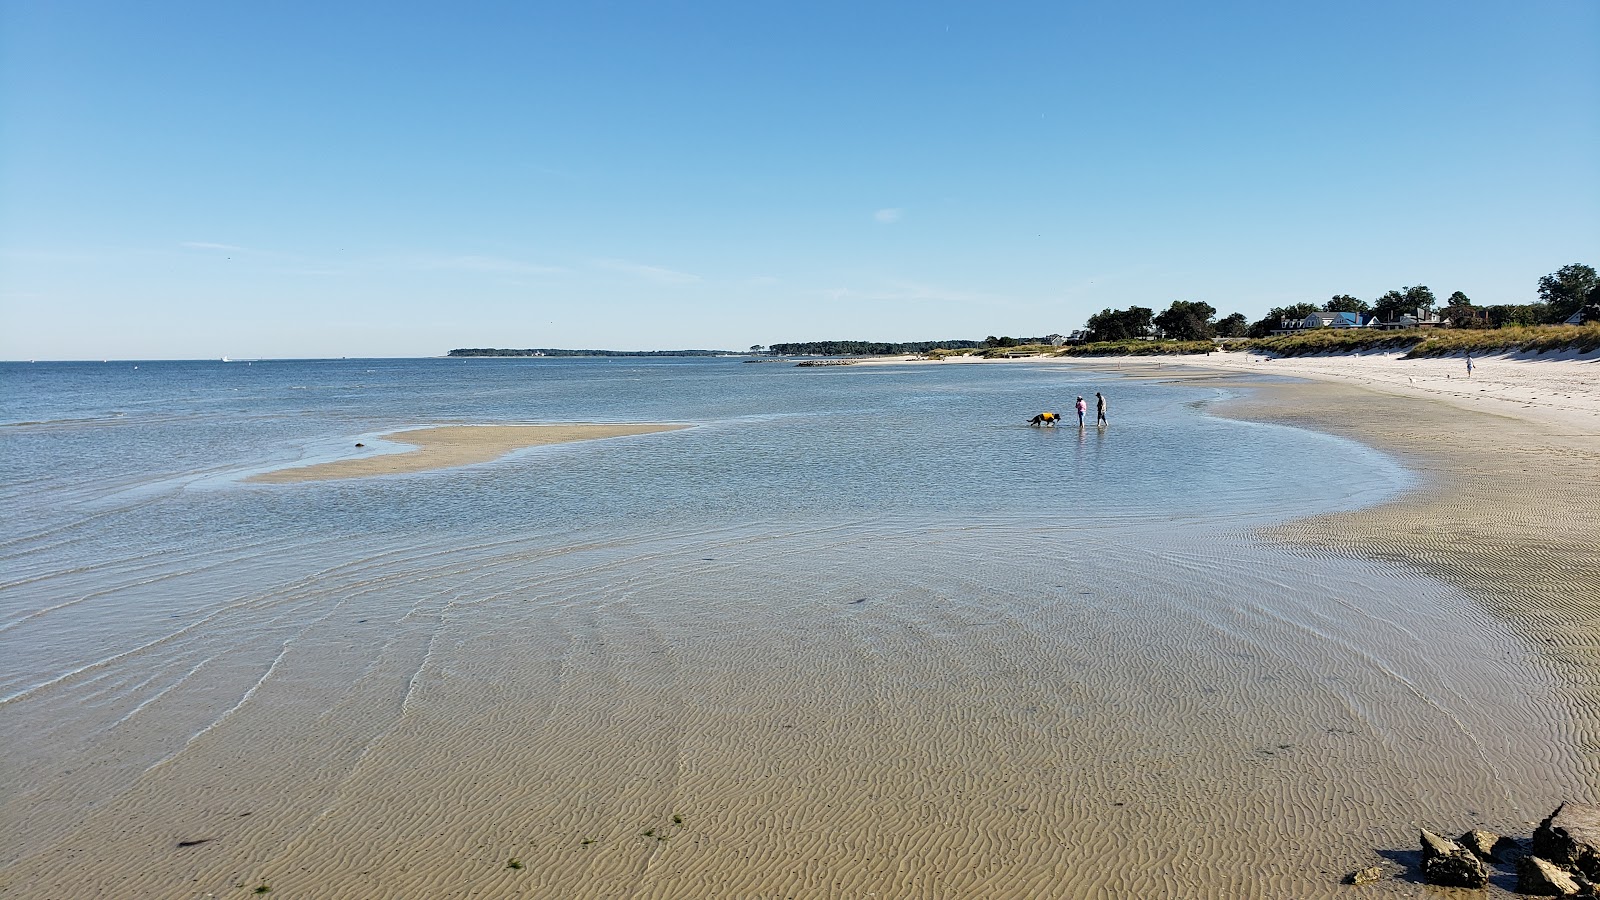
(1590, 313)
(1324, 319)
(1353, 320)
(1055, 340)
(1414, 319)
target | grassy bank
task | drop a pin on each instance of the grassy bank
(1137, 348)
(1415, 342)
(1421, 342)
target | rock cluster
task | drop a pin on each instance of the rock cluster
(1448, 863)
(1562, 860)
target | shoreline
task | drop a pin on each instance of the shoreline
(451, 446)
(1505, 507)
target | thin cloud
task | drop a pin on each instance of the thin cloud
(889, 216)
(487, 264)
(650, 273)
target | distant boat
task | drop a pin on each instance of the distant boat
(225, 359)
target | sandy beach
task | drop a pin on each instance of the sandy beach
(448, 446)
(1510, 466)
(551, 726)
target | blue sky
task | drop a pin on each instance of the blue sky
(275, 180)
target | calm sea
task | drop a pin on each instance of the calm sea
(148, 592)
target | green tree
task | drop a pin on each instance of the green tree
(1347, 303)
(1233, 325)
(1418, 300)
(1566, 289)
(1187, 320)
(1389, 306)
(1501, 315)
(1120, 324)
(1460, 313)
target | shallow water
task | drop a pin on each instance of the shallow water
(861, 628)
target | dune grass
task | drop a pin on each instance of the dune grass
(1135, 348)
(1423, 342)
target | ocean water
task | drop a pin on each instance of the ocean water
(888, 552)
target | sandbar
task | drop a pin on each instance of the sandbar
(448, 446)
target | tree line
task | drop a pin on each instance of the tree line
(548, 351)
(865, 348)
(1561, 294)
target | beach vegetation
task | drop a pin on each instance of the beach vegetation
(1429, 342)
(677, 820)
(513, 863)
(1136, 348)
(1016, 349)
(262, 889)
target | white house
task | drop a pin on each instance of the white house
(1324, 319)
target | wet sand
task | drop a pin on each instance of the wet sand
(448, 446)
(1510, 462)
(984, 731)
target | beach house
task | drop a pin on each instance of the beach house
(1415, 319)
(1323, 318)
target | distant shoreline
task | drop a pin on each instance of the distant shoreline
(494, 353)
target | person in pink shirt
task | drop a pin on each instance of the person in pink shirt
(1082, 408)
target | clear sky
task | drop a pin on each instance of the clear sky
(314, 179)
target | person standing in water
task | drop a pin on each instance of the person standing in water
(1082, 408)
(1099, 409)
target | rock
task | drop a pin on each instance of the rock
(1364, 876)
(1570, 837)
(1447, 863)
(1536, 876)
(1485, 845)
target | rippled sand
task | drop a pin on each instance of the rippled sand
(447, 446)
(869, 710)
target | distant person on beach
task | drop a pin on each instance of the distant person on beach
(1469, 365)
(1099, 409)
(1082, 408)
(1045, 418)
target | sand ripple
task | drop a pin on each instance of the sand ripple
(867, 709)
